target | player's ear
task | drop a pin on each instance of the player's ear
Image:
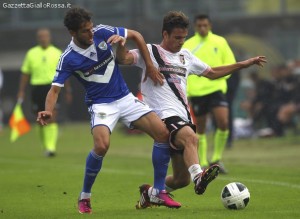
(164, 34)
(72, 33)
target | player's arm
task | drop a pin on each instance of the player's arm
(51, 99)
(151, 70)
(22, 86)
(222, 71)
(124, 57)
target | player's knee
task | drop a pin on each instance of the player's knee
(191, 140)
(101, 148)
(223, 125)
(162, 135)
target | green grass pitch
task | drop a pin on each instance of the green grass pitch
(33, 186)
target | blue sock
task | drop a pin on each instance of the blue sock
(160, 160)
(92, 168)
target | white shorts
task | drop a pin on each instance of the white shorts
(128, 109)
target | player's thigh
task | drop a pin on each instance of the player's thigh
(201, 123)
(221, 114)
(180, 171)
(152, 125)
(185, 137)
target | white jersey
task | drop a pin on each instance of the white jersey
(170, 99)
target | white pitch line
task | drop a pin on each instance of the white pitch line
(266, 182)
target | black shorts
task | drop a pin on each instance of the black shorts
(38, 96)
(174, 124)
(203, 104)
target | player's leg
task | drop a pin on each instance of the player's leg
(49, 133)
(103, 120)
(186, 139)
(137, 114)
(152, 125)
(221, 135)
(181, 176)
(200, 107)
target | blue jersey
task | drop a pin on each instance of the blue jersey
(94, 67)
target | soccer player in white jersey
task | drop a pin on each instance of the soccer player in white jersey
(89, 57)
(170, 102)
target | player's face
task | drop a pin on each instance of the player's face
(173, 42)
(202, 26)
(84, 36)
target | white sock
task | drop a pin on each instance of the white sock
(153, 191)
(85, 195)
(194, 170)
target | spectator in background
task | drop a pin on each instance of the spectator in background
(39, 66)
(233, 85)
(208, 96)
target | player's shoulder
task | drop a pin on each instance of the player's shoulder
(68, 54)
(186, 52)
(103, 27)
(34, 49)
(218, 38)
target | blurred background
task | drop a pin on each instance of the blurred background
(252, 27)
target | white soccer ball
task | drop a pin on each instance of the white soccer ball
(235, 196)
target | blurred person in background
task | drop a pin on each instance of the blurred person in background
(209, 96)
(38, 70)
(233, 86)
(287, 99)
(1, 112)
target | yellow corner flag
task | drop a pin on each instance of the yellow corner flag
(18, 123)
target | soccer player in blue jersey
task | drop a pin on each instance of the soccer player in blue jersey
(89, 57)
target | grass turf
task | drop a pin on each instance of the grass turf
(33, 186)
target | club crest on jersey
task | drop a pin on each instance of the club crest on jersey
(102, 45)
(182, 60)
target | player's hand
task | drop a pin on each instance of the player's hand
(116, 39)
(43, 117)
(154, 75)
(258, 60)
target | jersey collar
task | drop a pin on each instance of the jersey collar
(90, 52)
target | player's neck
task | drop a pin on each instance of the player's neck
(164, 46)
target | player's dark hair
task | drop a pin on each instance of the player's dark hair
(175, 19)
(201, 17)
(75, 17)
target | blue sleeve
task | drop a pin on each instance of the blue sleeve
(63, 72)
(105, 31)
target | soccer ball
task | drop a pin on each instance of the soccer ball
(235, 196)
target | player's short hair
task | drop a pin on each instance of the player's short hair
(175, 19)
(75, 17)
(201, 17)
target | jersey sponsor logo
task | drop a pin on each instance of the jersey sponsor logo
(102, 45)
(90, 75)
(169, 69)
